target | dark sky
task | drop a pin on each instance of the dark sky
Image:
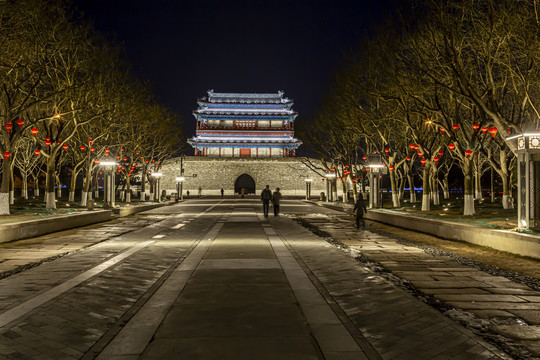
(184, 48)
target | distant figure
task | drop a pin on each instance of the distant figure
(222, 191)
(276, 198)
(200, 191)
(266, 196)
(243, 192)
(360, 208)
(187, 193)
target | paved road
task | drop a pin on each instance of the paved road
(213, 279)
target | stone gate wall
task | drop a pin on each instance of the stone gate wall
(212, 174)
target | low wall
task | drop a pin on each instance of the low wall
(33, 228)
(504, 240)
(130, 210)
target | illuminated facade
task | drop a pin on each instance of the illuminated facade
(245, 125)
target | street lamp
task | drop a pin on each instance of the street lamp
(108, 183)
(157, 195)
(179, 186)
(528, 156)
(308, 188)
(375, 166)
(330, 178)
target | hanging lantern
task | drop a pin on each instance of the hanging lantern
(122, 149)
(391, 168)
(37, 152)
(455, 127)
(408, 158)
(146, 161)
(423, 161)
(419, 153)
(386, 151)
(117, 157)
(440, 152)
(153, 160)
(65, 147)
(137, 153)
(493, 131)
(107, 151)
(416, 147)
(82, 147)
(125, 159)
(34, 131)
(95, 161)
(411, 146)
(475, 127)
(20, 122)
(367, 169)
(509, 131)
(129, 174)
(6, 155)
(364, 157)
(468, 153)
(484, 129)
(322, 180)
(436, 159)
(47, 141)
(90, 141)
(442, 131)
(451, 147)
(346, 165)
(92, 149)
(8, 127)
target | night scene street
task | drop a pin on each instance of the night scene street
(270, 180)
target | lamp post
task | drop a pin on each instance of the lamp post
(528, 157)
(179, 188)
(108, 183)
(375, 166)
(157, 195)
(308, 188)
(330, 178)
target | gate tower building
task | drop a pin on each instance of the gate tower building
(253, 125)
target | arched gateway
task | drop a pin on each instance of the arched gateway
(245, 182)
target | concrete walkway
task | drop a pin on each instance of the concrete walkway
(215, 280)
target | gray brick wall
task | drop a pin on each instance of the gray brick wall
(288, 174)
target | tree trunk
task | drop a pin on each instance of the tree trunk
(393, 185)
(506, 176)
(434, 187)
(49, 184)
(36, 186)
(401, 188)
(12, 187)
(72, 185)
(446, 187)
(4, 188)
(477, 185)
(24, 184)
(426, 198)
(412, 192)
(468, 188)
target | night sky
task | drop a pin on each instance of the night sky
(184, 48)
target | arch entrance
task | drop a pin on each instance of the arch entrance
(246, 182)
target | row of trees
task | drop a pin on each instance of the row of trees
(440, 86)
(67, 100)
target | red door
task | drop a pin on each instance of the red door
(245, 152)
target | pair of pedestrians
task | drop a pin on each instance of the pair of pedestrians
(267, 196)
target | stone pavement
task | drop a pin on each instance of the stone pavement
(212, 279)
(492, 304)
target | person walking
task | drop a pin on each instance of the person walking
(200, 190)
(243, 192)
(266, 196)
(222, 191)
(360, 208)
(276, 199)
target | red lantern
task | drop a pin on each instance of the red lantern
(125, 159)
(408, 158)
(419, 153)
(436, 159)
(95, 161)
(20, 122)
(90, 141)
(153, 160)
(47, 141)
(8, 127)
(322, 180)
(107, 151)
(92, 149)
(509, 131)
(146, 161)
(468, 153)
(34, 131)
(6, 155)
(387, 150)
(82, 147)
(412, 147)
(442, 130)
(416, 147)
(117, 157)
(391, 168)
(455, 127)
(475, 127)
(423, 161)
(451, 147)
(364, 157)
(65, 147)
(440, 152)
(37, 152)
(493, 131)
(484, 129)
(137, 153)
